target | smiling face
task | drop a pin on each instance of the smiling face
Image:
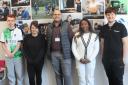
(34, 30)
(84, 26)
(57, 15)
(110, 14)
(110, 17)
(11, 22)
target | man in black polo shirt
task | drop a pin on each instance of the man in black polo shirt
(113, 47)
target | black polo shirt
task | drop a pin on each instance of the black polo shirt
(113, 46)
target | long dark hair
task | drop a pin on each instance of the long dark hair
(81, 31)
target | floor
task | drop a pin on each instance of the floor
(48, 77)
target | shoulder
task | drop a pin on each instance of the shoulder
(6, 29)
(94, 36)
(104, 26)
(17, 29)
(77, 33)
(65, 23)
(120, 25)
(50, 25)
(27, 36)
(117, 23)
(41, 36)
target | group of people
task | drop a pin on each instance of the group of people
(59, 44)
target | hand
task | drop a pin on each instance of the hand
(10, 55)
(87, 61)
(2, 69)
(84, 61)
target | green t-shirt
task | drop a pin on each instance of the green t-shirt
(11, 38)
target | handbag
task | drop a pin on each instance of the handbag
(2, 70)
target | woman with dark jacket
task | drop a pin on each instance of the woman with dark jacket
(34, 51)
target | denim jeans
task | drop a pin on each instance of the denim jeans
(62, 68)
(15, 71)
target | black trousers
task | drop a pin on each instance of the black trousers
(115, 71)
(34, 72)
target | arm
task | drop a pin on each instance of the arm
(70, 32)
(101, 46)
(48, 39)
(75, 52)
(7, 52)
(26, 51)
(42, 51)
(124, 37)
(17, 48)
(125, 50)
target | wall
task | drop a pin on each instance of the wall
(44, 15)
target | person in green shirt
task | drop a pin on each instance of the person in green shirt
(11, 39)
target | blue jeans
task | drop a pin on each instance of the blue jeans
(15, 71)
(62, 68)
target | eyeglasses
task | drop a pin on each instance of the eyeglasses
(57, 14)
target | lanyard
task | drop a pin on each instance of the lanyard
(86, 44)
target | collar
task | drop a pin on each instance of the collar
(111, 24)
(11, 29)
(59, 23)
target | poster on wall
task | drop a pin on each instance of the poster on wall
(4, 9)
(20, 2)
(22, 13)
(2, 2)
(73, 19)
(70, 6)
(93, 8)
(43, 9)
(97, 25)
(121, 6)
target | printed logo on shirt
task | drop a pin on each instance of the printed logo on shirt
(116, 31)
(11, 41)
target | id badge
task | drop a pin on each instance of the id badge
(57, 39)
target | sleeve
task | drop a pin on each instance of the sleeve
(123, 31)
(42, 50)
(70, 32)
(20, 36)
(2, 39)
(101, 34)
(95, 50)
(26, 52)
(74, 50)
